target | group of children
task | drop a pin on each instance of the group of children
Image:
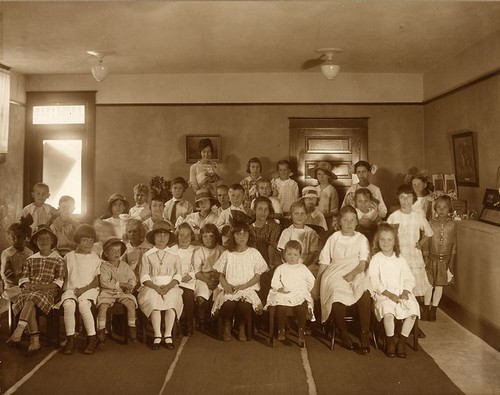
(254, 245)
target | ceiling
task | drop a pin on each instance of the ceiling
(239, 36)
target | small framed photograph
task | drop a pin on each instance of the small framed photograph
(438, 182)
(450, 184)
(193, 154)
(465, 158)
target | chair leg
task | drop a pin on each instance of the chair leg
(249, 325)
(272, 311)
(332, 339)
(219, 327)
(415, 335)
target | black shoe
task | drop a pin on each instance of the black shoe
(424, 314)
(156, 345)
(347, 344)
(432, 314)
(401, 347)
(364, 339)
(170, 344)
(421, 334)
(390, 347)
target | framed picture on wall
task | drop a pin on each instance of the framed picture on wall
(464, 155)
(193, 154)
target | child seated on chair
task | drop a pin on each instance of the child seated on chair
(136, 245)
(240, 268)
(65, 225)
(117, 282)
(81, 288)
(41, 279)
(185, 250)
(160, 275)
(291, 287)
(14, 258)
(207, 279)
(393, 283)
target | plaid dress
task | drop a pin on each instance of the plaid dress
(41, 270)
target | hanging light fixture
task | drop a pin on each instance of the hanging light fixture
(100, 71)
(328, 68)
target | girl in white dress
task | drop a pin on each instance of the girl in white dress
(81, 288)
(291, 287)
(161, 274)
(344, 279)
(185, 250)
(413, 233)
(393, 283)
(240, 268)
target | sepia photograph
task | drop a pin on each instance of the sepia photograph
(249, 197)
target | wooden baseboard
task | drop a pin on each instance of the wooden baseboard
(477, 325)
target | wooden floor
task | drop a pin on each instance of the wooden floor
(203, 364)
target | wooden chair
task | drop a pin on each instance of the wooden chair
(116, 318)
(349, 318)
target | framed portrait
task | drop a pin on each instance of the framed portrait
(464, 156)
(491, 207)
(193, 154)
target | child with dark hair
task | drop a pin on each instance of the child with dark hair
(439, 255)
(177, 206)
(81, 288)
(203, 174)
(117, 281)
(254, 169)
(117, 209)
(157, 206)
(240, 268)
(14, 257)
(207, 279)
(41, 279)
(413, 232)
(368, 217)
(236, 212)
(65, 225)
(264, 189)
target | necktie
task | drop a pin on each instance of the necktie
(173, 213)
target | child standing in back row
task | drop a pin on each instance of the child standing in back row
(440, 257)
(141, 209)
(413, 233)
(328, 202)
(41, 212)
(65, 225)
(249, 183)
(177, 206)
(286, 189)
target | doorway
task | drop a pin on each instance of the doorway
(59, 147)
(339, 141)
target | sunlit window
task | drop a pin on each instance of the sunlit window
(54, 115)
(62, 170)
